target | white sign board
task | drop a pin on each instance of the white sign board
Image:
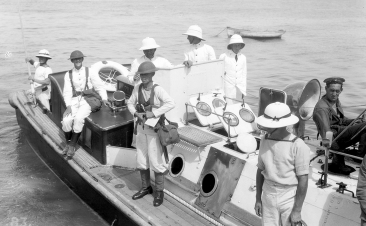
(181, 83)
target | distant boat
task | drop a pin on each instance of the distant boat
(255, 34)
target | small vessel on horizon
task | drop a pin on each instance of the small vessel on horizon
(254, 34)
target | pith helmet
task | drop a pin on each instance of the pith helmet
(76, 54)
(149, 43)
(236, 39)
(44, 53)
(195, 31)
(146, 67)
(277, 115)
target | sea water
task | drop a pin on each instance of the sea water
(322, 39)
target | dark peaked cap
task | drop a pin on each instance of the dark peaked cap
(334, 80)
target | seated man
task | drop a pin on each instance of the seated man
(40, 79)
(329, 116)
(197, 52)
(148, 47)
(77, 109)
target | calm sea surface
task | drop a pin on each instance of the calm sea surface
(322, 39)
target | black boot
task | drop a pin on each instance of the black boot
(73, 142)
(159, 183)
(338, 166)
(159, 198)
(146, 187)
(68, 136)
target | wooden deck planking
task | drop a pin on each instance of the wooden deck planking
(170, 212)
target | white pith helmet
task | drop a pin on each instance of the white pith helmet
(277, 115)
(44, 53)
(149, 43)
(195, 31)
(236, 39)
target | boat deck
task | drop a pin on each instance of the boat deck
(118, 184)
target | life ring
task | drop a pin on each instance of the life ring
(110, 81)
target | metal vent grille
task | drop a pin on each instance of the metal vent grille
(197, 137)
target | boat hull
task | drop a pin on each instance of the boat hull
(71, 177)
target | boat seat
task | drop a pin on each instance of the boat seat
(242, 119)
(197, 137)
(204, 107)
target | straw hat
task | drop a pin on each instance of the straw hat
(76, 54)
(195, 31)
(44, 53)
(146, 67)
(236, 39)
(277, 115)
(149, 43)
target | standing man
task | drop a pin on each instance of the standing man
(77, 109)
(235, 78)
(283, 168)
(197, 52)
(40, 78)
(149, 48)
(329, 116)
(361, 191)
(156, 102)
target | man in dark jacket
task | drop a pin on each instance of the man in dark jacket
(329, 116)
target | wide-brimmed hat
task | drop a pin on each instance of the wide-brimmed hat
(149, 43)
(195, 31)
(146, 67)
(277, 115)
(44, 53)
(236, 39)
(76, 54)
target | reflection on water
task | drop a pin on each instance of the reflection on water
(31, 194)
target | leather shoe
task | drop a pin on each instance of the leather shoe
(159, 198)
(65, 150)
(142, 193)
(71, 152)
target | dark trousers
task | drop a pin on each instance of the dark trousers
(345, 140)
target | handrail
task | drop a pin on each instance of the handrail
(335, 152)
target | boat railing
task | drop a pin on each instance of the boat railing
(323, 181)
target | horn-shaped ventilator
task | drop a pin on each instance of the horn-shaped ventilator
(302, 98)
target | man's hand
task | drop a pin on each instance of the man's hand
(106, 103)
(140, 116)
(188, 63)
(149, 114)
(31, 77)
(67, 112)
(295, 218)
(326, 143)
(258, 208)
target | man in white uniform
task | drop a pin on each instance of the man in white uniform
(197, 52)
(156, 102)
(40, 79)
(149, 48)
(77, 109)
(235, 77)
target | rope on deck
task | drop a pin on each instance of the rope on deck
(189, 206)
